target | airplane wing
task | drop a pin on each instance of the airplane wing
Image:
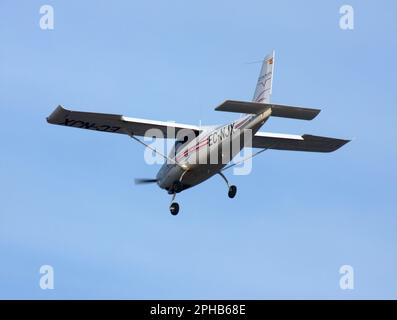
(291, 142)
(114, 123)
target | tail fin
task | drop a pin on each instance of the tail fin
(263, 89)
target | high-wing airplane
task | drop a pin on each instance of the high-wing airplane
(201, 152)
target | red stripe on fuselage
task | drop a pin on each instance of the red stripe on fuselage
(200, 144)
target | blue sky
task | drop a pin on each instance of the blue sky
(67, 196)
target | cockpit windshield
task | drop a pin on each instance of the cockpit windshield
(179, 144)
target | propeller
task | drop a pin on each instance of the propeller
(145, 181)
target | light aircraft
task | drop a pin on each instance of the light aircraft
(201, 152)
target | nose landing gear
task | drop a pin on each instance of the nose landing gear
(174, 207)
(176, 188)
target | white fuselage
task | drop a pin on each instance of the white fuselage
(202, 157)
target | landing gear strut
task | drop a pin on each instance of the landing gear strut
(232, 189)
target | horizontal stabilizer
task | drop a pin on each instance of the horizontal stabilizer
(291, 142)
(277, 109)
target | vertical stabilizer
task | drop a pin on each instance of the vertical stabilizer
(263, 89)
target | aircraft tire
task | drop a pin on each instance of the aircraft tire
(232, 192)
(174, 208)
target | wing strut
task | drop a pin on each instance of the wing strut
(245, 159)
(154, 150)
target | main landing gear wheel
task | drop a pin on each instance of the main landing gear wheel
(174, 208)
(232, 191)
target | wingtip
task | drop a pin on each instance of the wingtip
(316, 112)
(342, 142)
(58, 111)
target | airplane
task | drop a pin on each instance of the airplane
(200, 152)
